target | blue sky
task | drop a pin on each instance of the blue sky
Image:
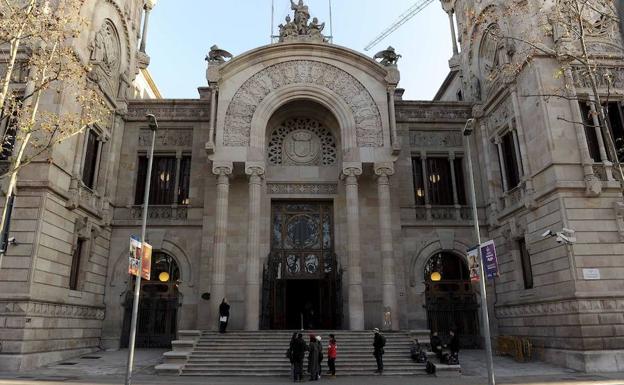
(182, 31)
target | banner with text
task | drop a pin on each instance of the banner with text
(473, 263)
(140, 258)
(489, 259)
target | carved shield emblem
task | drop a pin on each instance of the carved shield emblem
(302, 147)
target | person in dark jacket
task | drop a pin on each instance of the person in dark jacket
(313, 358)
(454, 344)
(224, 315)
(290, 355)
(436, 344)
(378, 350)
(298, 354)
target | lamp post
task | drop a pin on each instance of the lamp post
(153, 125)
(467, 131)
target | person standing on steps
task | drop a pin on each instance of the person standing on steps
(378, 349)
(313, 358)
(298, 354)
(319, 366)
(332, 352)
(454, 347)
(224, 315)
(290, 354)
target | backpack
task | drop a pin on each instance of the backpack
(430, 368)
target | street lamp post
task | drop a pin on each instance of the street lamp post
(153, 125)
(467, 131)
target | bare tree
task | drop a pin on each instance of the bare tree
(41, 61)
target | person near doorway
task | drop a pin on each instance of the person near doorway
(320, 356)
(290, 355)
(224, 315)
(298, 354)
(436, 345)
(332, 352)
(454, 348)
(379, 343)
(313, 358)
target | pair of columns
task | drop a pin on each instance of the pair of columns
(389, 318)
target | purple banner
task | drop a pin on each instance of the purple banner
(490, 262)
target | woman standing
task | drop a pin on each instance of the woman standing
(332, 352)
(224, 315)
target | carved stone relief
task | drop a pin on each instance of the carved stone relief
(246, 100)
(174, 138)
(106, 58)
(302, 188)
(606, 77)
(435, 139)
(302, 142)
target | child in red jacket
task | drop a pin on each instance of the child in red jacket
(331, 355)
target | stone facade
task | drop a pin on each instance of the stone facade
(303, 120)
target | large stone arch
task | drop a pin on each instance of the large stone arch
(325, 78)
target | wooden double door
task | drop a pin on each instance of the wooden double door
(302, 281)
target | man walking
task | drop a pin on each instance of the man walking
(378, 350)
(298, 354)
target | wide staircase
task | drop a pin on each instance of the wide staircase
(263, 353)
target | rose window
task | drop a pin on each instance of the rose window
(302, 142)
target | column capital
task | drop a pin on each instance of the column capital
(149, 5)
(351, 172)
(222, 170)
(384, 169)
(451, 155)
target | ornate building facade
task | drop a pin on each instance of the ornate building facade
(304, 189)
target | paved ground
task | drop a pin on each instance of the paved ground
(109, 368)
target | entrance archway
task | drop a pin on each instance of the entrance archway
(450, 301)
(301, 287)
(158, 305)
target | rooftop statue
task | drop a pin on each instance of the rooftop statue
(217, 55)
(301, 29)
(388, 57)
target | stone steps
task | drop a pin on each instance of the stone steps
(262, 353)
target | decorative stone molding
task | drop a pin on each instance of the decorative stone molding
(160, 212)
(580, 306)
(302, 188)
(602, 75)
(435, 139)
(500, 116)
(175, 138)
(192, 111)
(48, 309)
(418, 112)
(243, 106)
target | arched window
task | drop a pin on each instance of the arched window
(450, 266)
(164, 263)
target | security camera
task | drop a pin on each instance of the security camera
(565, 238)
(12, 241)
(547, 233)
(469, 127)
(568, 232)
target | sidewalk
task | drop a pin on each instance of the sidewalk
(109, 368)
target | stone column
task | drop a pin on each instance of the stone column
(354, 270)
(453, 34)
(387, 250)
(252, 287)
(392, 113)
(149, 5)
(217, 292)
(213, 115)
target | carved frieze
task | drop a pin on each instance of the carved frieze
(244, 103)
(406, 112)
(500, 116)
(435, 139)
(46, 309)
(563, 307)
(302, 188)
(606, 77)
(169, 111)
(164, 138)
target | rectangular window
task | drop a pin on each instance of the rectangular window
(460, 181)
(90, 165)
(590, 131)
(527, 269)
(75, 265)
(185, 180)
(419, 186)
(8, 126)
(439, 181)
(510, 160)
(615, 117)
(163, 180)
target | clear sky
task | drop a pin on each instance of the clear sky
(182, 31)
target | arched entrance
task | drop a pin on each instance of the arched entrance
(158, 305)
(450, 300)
(301, 287)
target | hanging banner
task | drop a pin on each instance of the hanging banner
(489, 259)
(473, 263)
(146, 262)
(134, 255)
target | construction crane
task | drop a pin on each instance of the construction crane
(407, 15)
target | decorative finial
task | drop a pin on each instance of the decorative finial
(217, 55)
(301, 29)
